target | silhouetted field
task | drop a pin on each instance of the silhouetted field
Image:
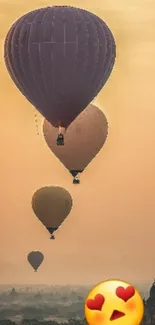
(36, 322)
(47, 304)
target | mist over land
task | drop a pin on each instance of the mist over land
(45, 303)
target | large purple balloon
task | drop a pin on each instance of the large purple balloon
(59, 57)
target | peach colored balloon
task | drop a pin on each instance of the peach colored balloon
(83, 139)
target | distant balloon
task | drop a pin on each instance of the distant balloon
(35, 258)
(51, 205)
(60, 57)
(83, 140)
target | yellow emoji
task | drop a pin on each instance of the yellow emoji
(114, 302)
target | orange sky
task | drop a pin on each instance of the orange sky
(110, 230)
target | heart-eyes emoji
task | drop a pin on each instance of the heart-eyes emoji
(114, 302)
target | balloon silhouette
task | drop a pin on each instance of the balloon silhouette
(51, 205)
(83, 140)
(59, 57)
(35, 258)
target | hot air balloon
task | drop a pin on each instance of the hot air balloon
(59, 57)
(35, 258)
(51, 205)
(84, 138)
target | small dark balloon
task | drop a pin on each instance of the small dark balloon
(35, 258)
(51, 205)
(60, 57)
(83, 139)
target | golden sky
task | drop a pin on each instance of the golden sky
(110, 231)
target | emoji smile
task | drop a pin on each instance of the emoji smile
(116, 314)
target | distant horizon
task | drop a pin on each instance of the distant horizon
(67, 284)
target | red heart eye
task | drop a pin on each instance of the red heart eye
(125, 293)
(96, 303)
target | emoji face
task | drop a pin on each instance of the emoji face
(114, 302)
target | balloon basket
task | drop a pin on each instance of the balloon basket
(60, 140)
(52, 237)
(76, 181)
(35, 270)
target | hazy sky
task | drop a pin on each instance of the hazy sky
(110, 232)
